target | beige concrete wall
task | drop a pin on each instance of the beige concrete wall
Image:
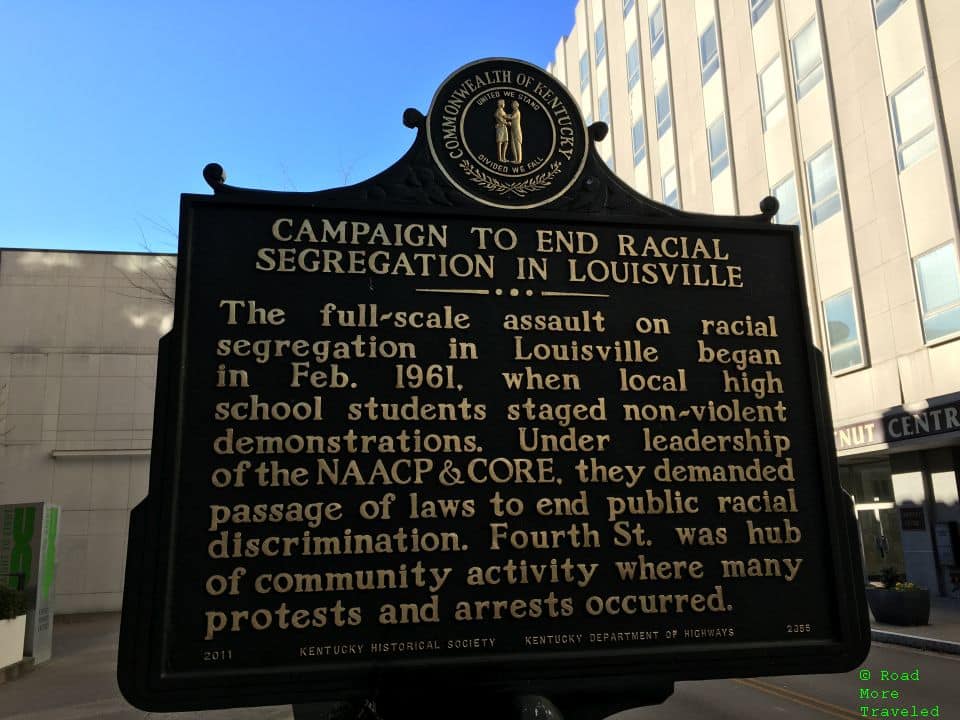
(639, 111)
(601, 73)
(656, 165)
(693, 162)
(943, 27)
(572, 58)
(620, 140)
(78, 344)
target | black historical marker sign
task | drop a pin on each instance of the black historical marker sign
(487, 422)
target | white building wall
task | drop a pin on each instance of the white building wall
(78, 348)
(887, 217)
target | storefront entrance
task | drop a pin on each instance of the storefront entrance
(871, 485)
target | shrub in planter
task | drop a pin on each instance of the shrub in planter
(899, 602)
(13, 623)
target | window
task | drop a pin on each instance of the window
(627, 6)
(842, 332)
(786, 193)
(882, 9)
(709, 52)
(912, 118)
(656, 29)
(633, 65)
(604, 106)
(757, 9)
(717, 144)
(600, 43)
(609, 161)
(589, 118)
(639, 142)
(584, 72)
(938, 280)
(773, 103)
(668, 185)
(824, 192)
(807, 63)
(663, 111)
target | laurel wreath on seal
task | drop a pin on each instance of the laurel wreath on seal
(519, 188)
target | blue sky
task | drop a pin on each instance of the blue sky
(110, 110)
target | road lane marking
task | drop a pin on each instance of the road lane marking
(801, 699)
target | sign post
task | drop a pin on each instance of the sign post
(488, 423)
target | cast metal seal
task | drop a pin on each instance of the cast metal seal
(507, 134)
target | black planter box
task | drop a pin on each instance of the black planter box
(899, 607)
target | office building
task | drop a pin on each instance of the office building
(848, 111)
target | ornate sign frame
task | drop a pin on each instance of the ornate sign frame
(582, 193)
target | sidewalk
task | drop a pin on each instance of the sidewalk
(941, 635)
(80, 682)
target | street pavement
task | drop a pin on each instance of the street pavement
(79, 683)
